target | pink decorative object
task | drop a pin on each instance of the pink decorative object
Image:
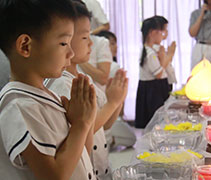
(203, 172)
(208, 133)
(207, 108)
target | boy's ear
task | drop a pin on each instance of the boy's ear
(23, 45)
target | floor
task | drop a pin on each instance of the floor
(122, 156)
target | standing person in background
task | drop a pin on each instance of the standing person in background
(153, 88)
(4, 70)
(99, 20)
(200, 29)
(120, 133)
(170, 69)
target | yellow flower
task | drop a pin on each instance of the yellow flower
(185, 126)
(195, 153)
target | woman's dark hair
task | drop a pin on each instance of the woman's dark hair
(148, 25)
(81, 9)
(32, 17)
(205, 1)
(108, 35)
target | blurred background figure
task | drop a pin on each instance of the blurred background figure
(4, 70)
(113, 47)
(120, 134)
(200, 29)
(99, 21)
(98, 66)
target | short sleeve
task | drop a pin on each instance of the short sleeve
(153, 64)
(103, 51)
(15, 135)
(21, 125)
(193, 18)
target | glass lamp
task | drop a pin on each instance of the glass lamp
(198, 87)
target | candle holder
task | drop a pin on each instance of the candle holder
(193, 111)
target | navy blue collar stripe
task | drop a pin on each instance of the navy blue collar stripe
(28, 92)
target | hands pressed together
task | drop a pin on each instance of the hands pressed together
(117, 87)
(81, 109)
(166, 57)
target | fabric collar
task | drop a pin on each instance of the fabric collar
(35, 93)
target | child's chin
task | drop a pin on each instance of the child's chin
(84, 61)
(58, 74)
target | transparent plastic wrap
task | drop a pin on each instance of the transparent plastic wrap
(153, 172)
(176, 165)
(173, 112)
(177, 137)
(173, 109)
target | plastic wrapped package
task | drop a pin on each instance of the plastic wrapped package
(174, 112)
(176, 165)
(170, 137)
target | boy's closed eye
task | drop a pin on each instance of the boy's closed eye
(63, 44)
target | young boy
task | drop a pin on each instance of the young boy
(116, 92)
(42, 137)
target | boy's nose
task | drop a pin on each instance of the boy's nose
(90, 42)
(70, 54)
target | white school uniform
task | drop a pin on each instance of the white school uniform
(171, 76)
(202, 47)
(120, 132)
(114, 68)
(100, 53)
(98, 16)
(152, 92)
(151, 66)
(28, 114)
(99, 156)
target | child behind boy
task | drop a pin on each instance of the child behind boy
(116, 91)
(41, 135)
(120, 134)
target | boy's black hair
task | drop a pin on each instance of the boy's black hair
(32, 17)
(107, 35)
(147, 26)
(81, 9)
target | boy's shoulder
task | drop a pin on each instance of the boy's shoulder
(24, 95)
